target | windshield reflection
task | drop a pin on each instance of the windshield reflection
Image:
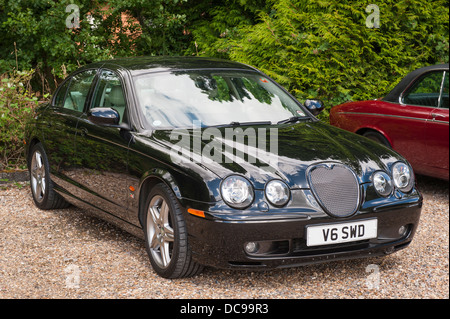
(212, 98)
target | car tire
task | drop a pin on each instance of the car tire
(44, 195)
(166, 237)
(377, 137)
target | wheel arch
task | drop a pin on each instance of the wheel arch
(148, 181)
(363, 130)
(29, 147)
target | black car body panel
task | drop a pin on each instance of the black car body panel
(110, 170)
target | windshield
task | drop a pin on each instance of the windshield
(212, 98)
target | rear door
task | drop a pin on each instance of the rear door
(61, 124)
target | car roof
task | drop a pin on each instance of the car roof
(394, 95)
(143, 65)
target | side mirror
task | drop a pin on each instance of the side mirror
(314, 106)
(104, 116)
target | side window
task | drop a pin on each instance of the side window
(61, 95)
(444, 97)
(425, 91)
(79, 90)
(109, 93)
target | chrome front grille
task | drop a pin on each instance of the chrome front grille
(336, 188)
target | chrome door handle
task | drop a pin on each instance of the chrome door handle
(439, 118)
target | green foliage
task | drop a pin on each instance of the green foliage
(316, 49)
(213, 24)
(16, 105)
(34, 34)
(323, 49)
(160, 25)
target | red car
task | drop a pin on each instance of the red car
(412, 119)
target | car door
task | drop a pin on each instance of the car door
(437, 131)
(418, 102)
(61, 124)
(102, 151)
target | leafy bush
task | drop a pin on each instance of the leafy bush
(35, 34)
(323, 49)
(316, 49)
(16, 105)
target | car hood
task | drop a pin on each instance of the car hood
(292, 149)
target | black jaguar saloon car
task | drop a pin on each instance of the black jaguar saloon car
(212, 163)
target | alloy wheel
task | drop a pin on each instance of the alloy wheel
(160, 231)
(38, 177)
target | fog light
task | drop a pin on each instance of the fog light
(403, 230)
(251, 247)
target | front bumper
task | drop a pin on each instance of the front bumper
(219, 242)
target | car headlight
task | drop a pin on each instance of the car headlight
(277, 192)
(237, 192)
(403, 177)
(382, 183)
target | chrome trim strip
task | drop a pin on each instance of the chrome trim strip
(442, 89)
(394, 116)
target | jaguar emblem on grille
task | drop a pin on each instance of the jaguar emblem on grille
(329, 165)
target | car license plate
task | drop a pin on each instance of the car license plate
(341, 233)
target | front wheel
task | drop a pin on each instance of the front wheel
(166, 236)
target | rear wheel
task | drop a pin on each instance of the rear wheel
(166, 236)
(42, 190)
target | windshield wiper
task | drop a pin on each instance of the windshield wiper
(250, 123)
(294, 119)
(243, 124)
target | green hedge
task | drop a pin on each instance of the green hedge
(316, 49)
(324, 49)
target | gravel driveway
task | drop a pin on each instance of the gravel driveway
(66, 254)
